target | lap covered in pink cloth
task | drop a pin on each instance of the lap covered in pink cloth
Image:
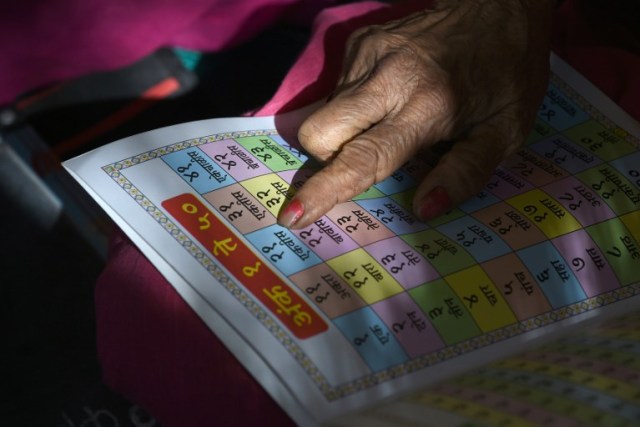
(157, 352)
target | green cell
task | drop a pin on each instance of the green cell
(273, 155)
(446, 256)
(602, 142)
(405, 199)
(620, 248)
(614, 189)
(541, 130)
(370, 193)
(447, 314)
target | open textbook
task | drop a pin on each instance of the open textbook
(368, 304)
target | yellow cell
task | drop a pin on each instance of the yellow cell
(632, 222)
(363, 273)
(478, 293)
(270, 190)
(545, 212)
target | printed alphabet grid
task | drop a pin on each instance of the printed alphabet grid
(555, 233)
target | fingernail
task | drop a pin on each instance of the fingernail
(434, 204)
(291, 214)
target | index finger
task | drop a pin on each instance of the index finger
(343, 118)
(362, 162)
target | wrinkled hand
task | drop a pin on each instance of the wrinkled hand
(469, 71)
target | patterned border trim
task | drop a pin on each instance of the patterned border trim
(330, 392)
(593, 112)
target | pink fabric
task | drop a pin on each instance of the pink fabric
(316, 72)
(158, 353)
(51, 41)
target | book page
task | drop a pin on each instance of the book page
(368, 303)
(591, 377)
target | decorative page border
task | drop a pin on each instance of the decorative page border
(593, 112)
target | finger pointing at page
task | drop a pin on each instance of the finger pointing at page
(471, 72)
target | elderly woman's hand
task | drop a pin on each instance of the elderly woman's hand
(472, 72)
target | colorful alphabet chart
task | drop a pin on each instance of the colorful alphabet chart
(368, 302)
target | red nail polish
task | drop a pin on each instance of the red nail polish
(291, 214)
(434, 204)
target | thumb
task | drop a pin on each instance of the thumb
(461, 172)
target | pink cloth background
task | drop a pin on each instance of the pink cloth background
(152, 347)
